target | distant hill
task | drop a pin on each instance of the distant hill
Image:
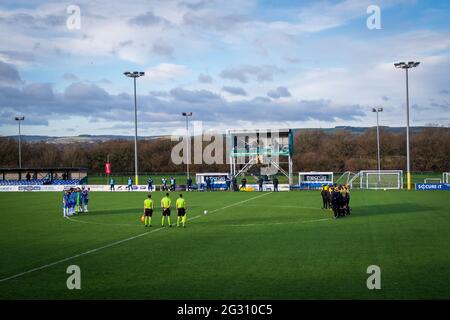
(85, 138)
(81, 138)
(360, 130)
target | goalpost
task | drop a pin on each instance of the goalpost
(432, 180)
(445, 177)
(383, 179)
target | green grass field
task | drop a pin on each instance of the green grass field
(249, 246)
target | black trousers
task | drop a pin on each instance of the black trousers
(325, 203)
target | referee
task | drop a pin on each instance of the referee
(165, 205)
(181, 208)
(148, 211)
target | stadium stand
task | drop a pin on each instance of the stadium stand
(42, 176)
(36, 182)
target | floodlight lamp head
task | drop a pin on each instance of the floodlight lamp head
(21, 118)
(134, 74)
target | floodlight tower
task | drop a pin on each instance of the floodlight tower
(378, 110)
(21, 118)
(406, 67)
(188, 145)
(134, 75)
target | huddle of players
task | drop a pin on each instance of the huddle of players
(75, 200)
(166, 203)
(336, 198)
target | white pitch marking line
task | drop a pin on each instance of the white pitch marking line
(79, 255)
(112, 244)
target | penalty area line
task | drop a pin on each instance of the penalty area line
(114, 243)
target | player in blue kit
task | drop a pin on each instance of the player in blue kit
(66, 203)
(173, 183)
(130, 184)
(73, 201)
(164, 184)
(85, 194)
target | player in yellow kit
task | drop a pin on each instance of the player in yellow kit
(148, 211)
(181, 208)
(165, 205)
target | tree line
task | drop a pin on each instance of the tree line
(314, 150)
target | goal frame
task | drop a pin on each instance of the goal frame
(364, 174)
(446, 177)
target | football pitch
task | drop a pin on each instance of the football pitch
(250, 245)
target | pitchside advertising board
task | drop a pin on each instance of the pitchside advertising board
(118, 188)
(432, 186)
(314, 179)
(61, 188)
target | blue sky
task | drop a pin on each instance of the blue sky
(235, 64)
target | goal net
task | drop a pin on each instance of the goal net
(383, 179)
(445, 177)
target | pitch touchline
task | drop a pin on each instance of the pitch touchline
(112, 244)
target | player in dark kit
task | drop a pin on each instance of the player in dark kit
(228, 183)
(243, 183)
(260, 183)
(329, 196)
(150, 184)
(275, 184)
(324, 194)
(335, 201)
(189, 184)
(234, 184)
(346, 200)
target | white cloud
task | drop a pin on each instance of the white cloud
(166, 71)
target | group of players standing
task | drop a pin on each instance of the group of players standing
(336, 198)
(75, 200)
(166, 203)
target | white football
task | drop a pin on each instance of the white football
(205, 212)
